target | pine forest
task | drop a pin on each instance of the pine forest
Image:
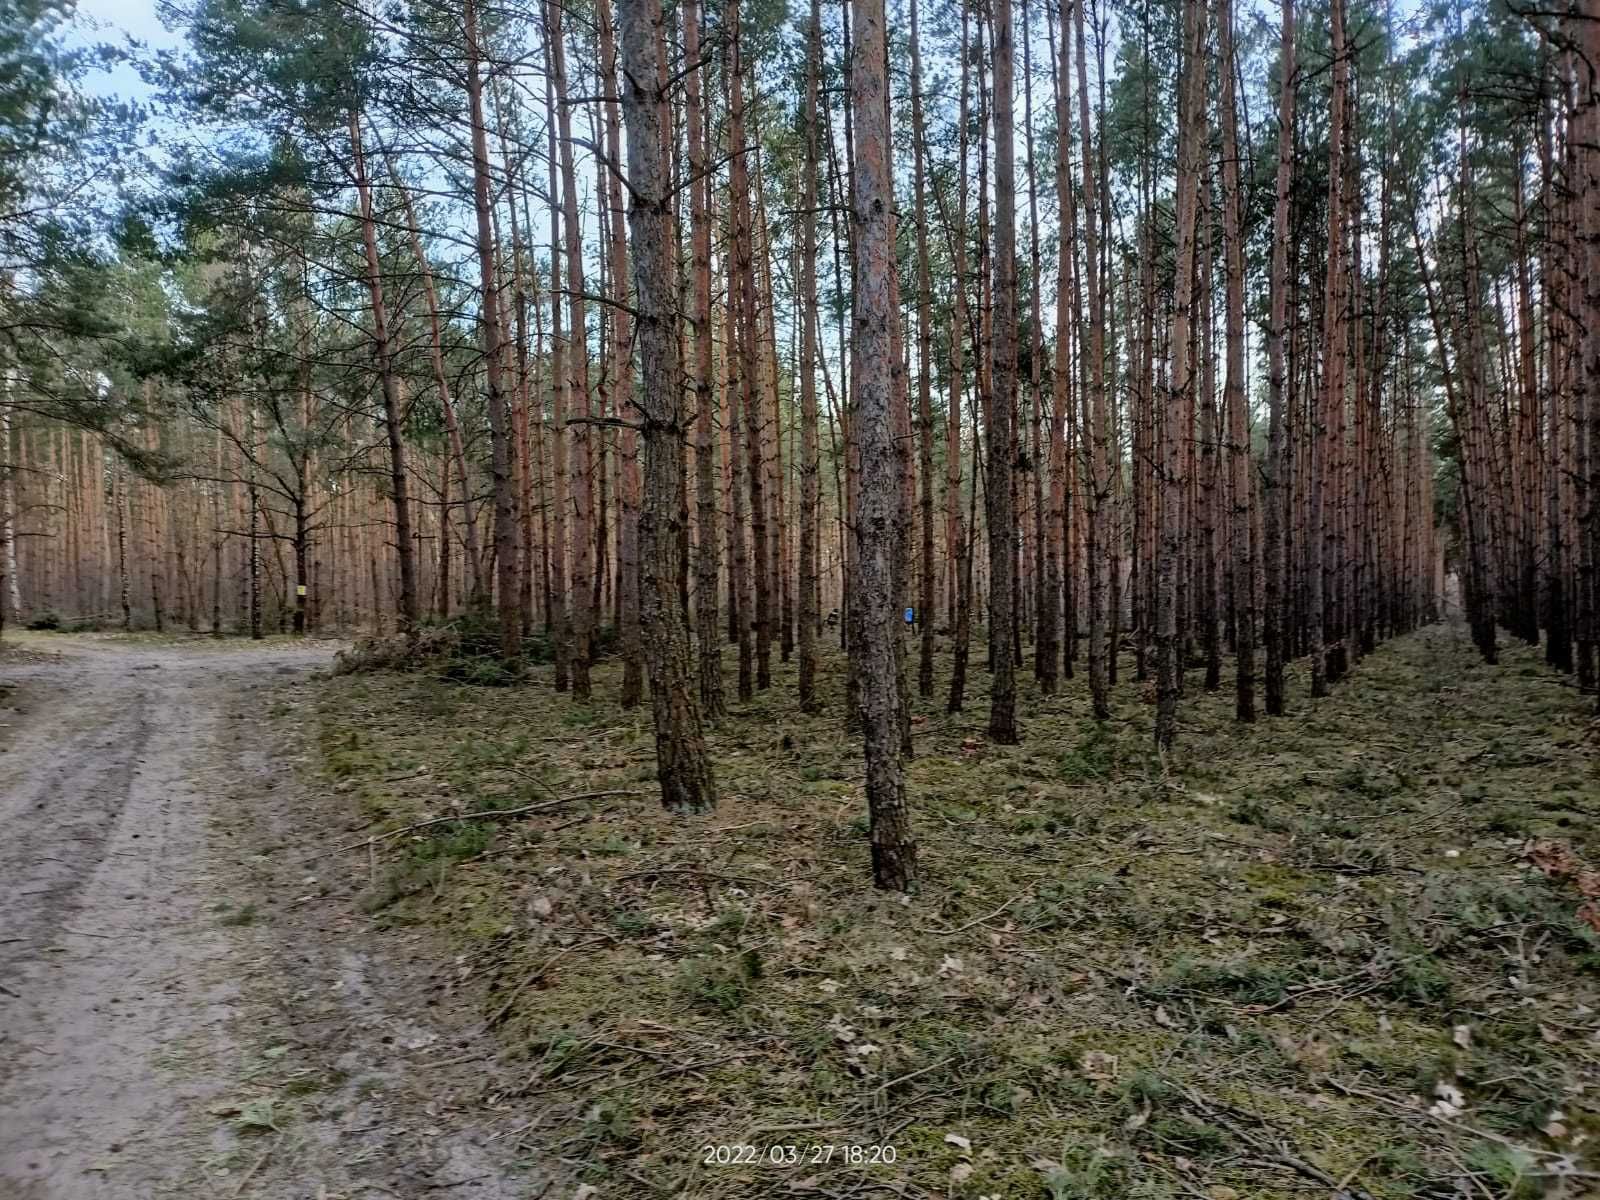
(750, 598)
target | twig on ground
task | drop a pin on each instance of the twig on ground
(970, 924)
(502, 1012)
(654, 871)
(488, 814)
(256, 1166)
(1274, 1150)
(1419, 1114)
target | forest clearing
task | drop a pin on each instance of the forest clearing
(978, 599)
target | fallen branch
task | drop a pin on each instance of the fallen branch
(1272, 1149)
(654, 871)
(970, 924)
(486, 815)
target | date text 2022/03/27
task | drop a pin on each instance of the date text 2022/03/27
(796, 1154)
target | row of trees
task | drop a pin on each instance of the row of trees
(1134, 336)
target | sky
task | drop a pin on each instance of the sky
(113, 22)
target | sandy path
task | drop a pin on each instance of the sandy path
(140, 799)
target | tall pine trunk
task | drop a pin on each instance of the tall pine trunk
(703, 380)
(1000, 506)
(894, 855)
(1098, 551)
(809, 465)
(925, 597)
(581, 610)
(1176, 430)
(399, 481)
(1243, 565)
(682, 762)
(1276, 483)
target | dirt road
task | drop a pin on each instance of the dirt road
(186, 1009)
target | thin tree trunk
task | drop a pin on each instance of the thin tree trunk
(1242, 587)
(398, 477)
(925, 598)
(1332, 391)
(703, 380)
(1180, 384)
(749, 351)
(1276, 482)
(457, 455)
(809, 465)
(1000, 508)
(11, 601)
(1098, 550)
(581, 612)
(508, 597)
(958, 537)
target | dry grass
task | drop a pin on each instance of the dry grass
(1302, 958)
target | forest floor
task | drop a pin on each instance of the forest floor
(184, 1012)
(1353, 952)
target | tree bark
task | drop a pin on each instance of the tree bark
(398, 477)
(580, 612)
(1098, 550)
(682, 762)
(478, 596)
(741, 215)
(1000, 508)
(703, 380)
(894, 854)
(924, 368)
(1275, 489)
(508, 598)
(1243, 585)
(1180, 384)
(809, 465)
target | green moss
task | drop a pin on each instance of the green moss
(721, 984)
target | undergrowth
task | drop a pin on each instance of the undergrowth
(1293, 958)
(464, 649)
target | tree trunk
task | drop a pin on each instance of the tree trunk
(1243, 586)
(682, 762)
(398, 480)
(749, 352)
(11, 600)
(1319, 533)
(1097, 433)
(1180, 384)
(1276, 482)
(738, 553)
(581, 613)
(479, 594)
(894, 855)
(1002, 450)
(924, 368)
(703, 380)
(809, 465)
(560, 500)
(958, 536)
